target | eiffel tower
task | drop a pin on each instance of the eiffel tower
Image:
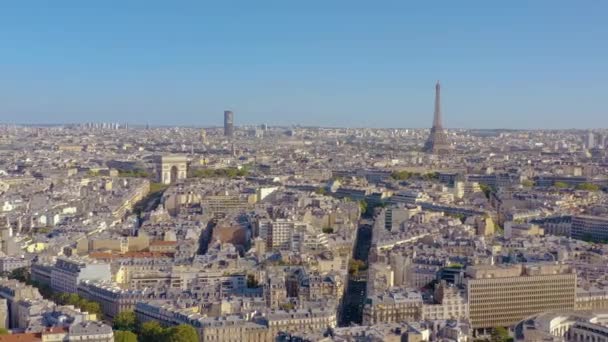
(437, 143)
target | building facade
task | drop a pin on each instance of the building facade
(501, 296)
(228, 123)
(587, 227)
(67, 274)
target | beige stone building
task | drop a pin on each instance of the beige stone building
(393, 306)
(451, 304)
(501, 296)
(238, 328)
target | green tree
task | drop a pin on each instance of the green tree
(63, 298)
(560, 185)
(363, 206)
(500, 334)
(321, 191)
(527, 183)
(287, 306)
(355, 266)
(231, 173)
(124, 336)
(401, 175)
(22, 274)
(91, 307)
(73, 299)
(243, 171)
(587, 187)
(152, 331)
(328, 230)
(125, 320)
(182, 333)
(487, 190)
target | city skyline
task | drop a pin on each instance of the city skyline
(514, 66)
(323, 171)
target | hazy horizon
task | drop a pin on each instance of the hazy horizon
(270, 125)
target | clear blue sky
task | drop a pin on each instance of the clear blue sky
(514, 64)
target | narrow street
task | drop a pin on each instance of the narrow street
(355, 295)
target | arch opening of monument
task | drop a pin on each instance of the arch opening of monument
(174, 175)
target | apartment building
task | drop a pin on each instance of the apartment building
(68, 273)
(393, 306)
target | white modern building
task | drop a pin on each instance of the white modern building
(68, 273)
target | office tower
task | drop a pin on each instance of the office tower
(437, 142)
(501, 296)
(587, 227)
(228, 123)
(590, 140)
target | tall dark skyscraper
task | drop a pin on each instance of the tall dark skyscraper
(228, 123)
(437, 143)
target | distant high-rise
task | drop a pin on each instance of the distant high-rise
(203, 135)
(437, 142)
(228, 123)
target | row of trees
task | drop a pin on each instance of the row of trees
(79, 302)
(582, 186)
(405, 175)
(138, 173)
(563, 185)
(230, 172)
(128, 329)
(588, 187)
